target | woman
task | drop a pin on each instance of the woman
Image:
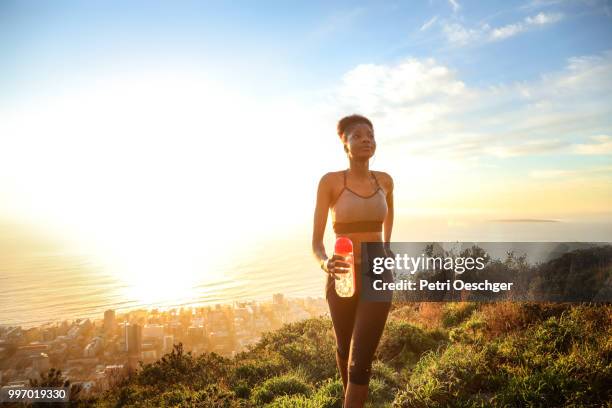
(362, 203)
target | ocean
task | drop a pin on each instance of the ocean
(42, 283)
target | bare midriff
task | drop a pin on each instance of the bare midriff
(357, 238)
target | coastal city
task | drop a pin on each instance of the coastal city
(96, 352)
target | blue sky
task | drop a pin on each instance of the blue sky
(298, 45)
(490, 108)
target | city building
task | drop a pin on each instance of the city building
(168, 343)
(109, 321)
(133, 344)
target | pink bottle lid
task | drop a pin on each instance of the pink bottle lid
(343, 245)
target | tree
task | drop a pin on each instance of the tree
(53, 378)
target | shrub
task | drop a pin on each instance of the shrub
(308, 343)
(300, 401)
(383, 372)
(254, 371)
(242, 390)
(179, 395)
(331, 392)
(430, 314)
(380, 393)
(402, 343)
(562, 360)
(215, 396)
(181, 367)
(288, 384)
(455, 313)
(317, 330)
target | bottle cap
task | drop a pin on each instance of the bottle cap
(343, 245)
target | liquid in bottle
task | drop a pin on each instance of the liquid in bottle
(345, 286)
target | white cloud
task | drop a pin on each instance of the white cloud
(457, 34)
(527, 148)
(550, 174)
(596, 6)
(543, 18)
(528, 23)
(424, 108)
(428, 23)
(583, 78)
(541, 3)
(507, 31)
(570, 173)
(461, 35)
(455, 5)
(379, 88)
(602, 144)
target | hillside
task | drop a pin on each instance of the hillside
(431, 355)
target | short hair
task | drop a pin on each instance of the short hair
(347, 122)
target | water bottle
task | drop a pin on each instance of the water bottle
(345, 286)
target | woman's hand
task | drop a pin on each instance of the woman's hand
(336, 264)
(389, 254)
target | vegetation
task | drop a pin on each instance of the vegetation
(463, 354)
(485, 354)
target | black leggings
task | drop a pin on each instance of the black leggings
(361, 321)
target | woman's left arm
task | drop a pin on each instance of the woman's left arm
(388, 224)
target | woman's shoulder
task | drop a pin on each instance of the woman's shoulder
(332, 176)
(331, 182)
(385, 179)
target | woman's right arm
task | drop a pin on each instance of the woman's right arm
(320, 218)
(336, 264)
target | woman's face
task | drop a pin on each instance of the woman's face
(360, 141)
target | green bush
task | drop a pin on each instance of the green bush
(300, 401)
(380, 393)
(456, 312)
(563, 360)
(403, 343)
(254, 371)
(309, 343)
(318, 331)
(133, 393)
(457, 372)
(215, 395)
(180, 367)
(470, 331)
(331, 392)
(388, 375)
(288, 384)
(242, 390)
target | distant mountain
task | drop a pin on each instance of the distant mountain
(535, 251)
